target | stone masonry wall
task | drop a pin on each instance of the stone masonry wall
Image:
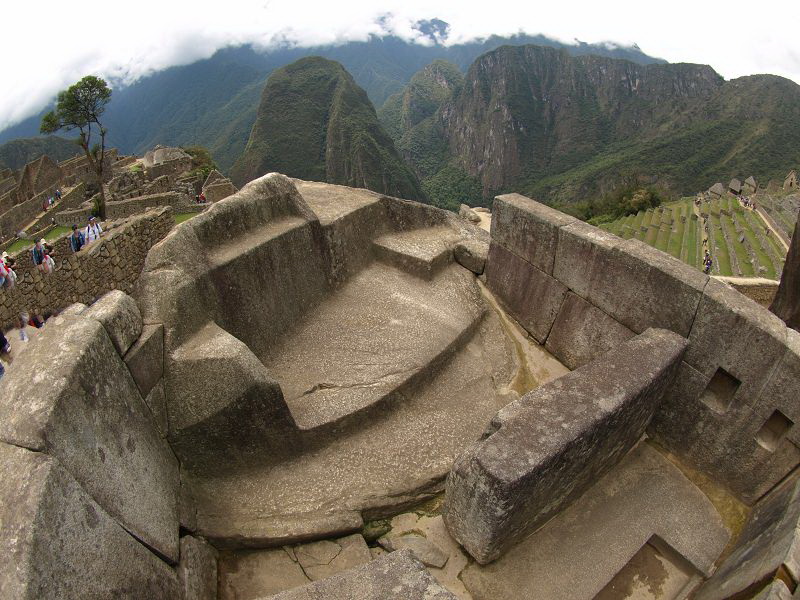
(112, 263)
(12, 220)
(580, 291)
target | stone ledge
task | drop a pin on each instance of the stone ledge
(543, 451)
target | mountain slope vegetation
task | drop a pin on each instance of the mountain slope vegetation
(16, 153)
(572, 129)
(213, 102)
(315, 123)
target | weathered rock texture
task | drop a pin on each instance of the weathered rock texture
(114, 262)
(787, 300)
(541, 452)
(260, 283)
(58, 542)
(582, 291)
(396, 576)
(768, 544)
(85, 409)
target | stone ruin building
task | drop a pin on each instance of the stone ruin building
(791, 182)
(313, 391)
(163, 177)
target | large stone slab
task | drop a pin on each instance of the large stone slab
(734, 333)
(145, 358)
(57, 542)
(395, 576)
(582, 250)
(197, 570)
(769, 541)
(529, 294)
(70, 395)
(639, 286)
(644, 499)
(222, 404)
(120, 316)
(528, 228)
(787, 300)
(583, 332)
(543, 451)
(724, 445)
(733, 408)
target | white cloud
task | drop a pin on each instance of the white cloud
(49, 45)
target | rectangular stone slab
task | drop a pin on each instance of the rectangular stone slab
(642, 287)
(57, 542)
(145, 359)
(98, 427)
(544, 450)
(768, 541)
(583, 332)
(528, 228)
(531, 296)
(396, 576)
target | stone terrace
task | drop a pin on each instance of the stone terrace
(302, 359)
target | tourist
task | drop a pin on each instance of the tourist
(23, 323)
(5, 345)
(76, 240)
(8, 263)
(3, 274)
(202, 198)
(58, 194)
(708, 264)
(37, 254)
(93, 231)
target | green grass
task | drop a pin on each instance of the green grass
(19, 245)
(181, 217)
(56, 232)
(720, 248)
(763, 258)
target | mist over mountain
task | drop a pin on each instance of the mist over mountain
(213, 102)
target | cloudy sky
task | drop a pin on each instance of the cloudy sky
(49, 44)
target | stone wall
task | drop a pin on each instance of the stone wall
(78, 169)
(543, 451)
(581, 291)
(218, 190)
(757, 289)
(112, 263)
(89, 502)
(766, 551)
(22, 214)
(170, 168)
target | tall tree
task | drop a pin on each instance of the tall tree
(787, 301)
(80, 107)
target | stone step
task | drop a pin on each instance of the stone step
(378, 335)
(396, 457)
(238, 247)
(419, 251)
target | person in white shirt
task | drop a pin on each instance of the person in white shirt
(93, 230)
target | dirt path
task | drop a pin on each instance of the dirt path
(779, 235)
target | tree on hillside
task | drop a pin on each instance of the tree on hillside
(80, 107)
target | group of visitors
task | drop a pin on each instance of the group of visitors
(708, 263)
(747, 203)
(200, 198)
(42, 252)
(50, 200)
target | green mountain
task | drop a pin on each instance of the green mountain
(567, 128)
(16, 153)
(213, 102)
(315, 123)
